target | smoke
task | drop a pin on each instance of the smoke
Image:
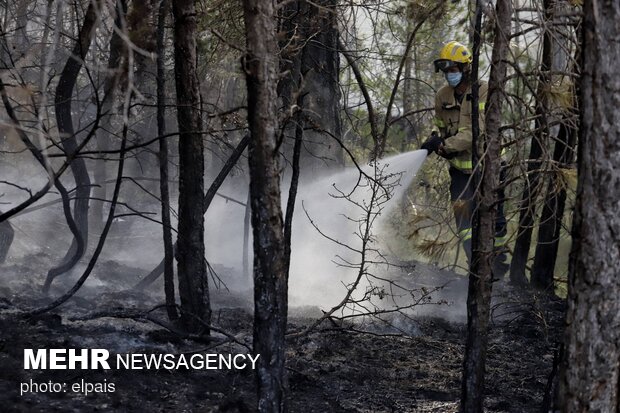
(315, 277)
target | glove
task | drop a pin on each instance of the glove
(445, 155)
(433, 143)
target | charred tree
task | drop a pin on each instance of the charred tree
(542, 275)
(142, 28)
(142, 22)
(247, 217)
(104, 233)
(63, 103)
(291, 91)
(483, 225)
(270, 267)
(321, 58)
(590, 373)
(53, 180)
(552, 214)
(296, 170)
(533, 184)
(163, 164)
(408, 92)
(116, 53)
(192, 270)
(311, 40)
(7, 233)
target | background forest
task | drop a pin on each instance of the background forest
(245, 176)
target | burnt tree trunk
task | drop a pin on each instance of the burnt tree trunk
(408, 91)
(545, 258)
(245, 260)
(7, 233)
(590, 373)
(21, 35)
(552, 214)
(163, 164)
(63, 102)
(291, 91)
(116, 52)
(321, 58)
(296, 169)
(532, 181)
(270, 275)
(483, 225)
(192, 270)
(142, 30)
(312, 40)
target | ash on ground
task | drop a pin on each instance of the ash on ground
(398, 362)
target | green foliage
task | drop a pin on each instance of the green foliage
(423, 227)
(221, 29)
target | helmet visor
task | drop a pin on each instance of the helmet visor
(443, 64)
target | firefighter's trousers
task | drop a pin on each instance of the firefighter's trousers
(462, 197)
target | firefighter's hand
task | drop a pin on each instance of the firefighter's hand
(433, 143)
(442, 152)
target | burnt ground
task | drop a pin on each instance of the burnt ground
(360, 367)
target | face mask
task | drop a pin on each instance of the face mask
(454, 78)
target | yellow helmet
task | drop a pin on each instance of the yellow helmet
(451, 54)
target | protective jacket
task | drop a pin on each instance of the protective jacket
(453, 121)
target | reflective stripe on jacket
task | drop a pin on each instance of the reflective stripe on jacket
(453, 120)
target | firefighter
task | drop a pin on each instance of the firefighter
(452, 139)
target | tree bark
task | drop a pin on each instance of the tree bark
(533, 184)
(245, 260)
(7, 233)
(192, 270)
(63, 102)
(100, 242)
(542, 276)
(163, 165)
(312, 41)
(552, 214)
(291, 90)
(116, 52)
(292, 193)
(270, 275)
(21, 33)
(142, 31)
(590, 373)
(483, 225)
(408, 93)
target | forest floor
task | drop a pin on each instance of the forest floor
(415, 367)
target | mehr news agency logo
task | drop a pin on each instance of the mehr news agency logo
(100, 359)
